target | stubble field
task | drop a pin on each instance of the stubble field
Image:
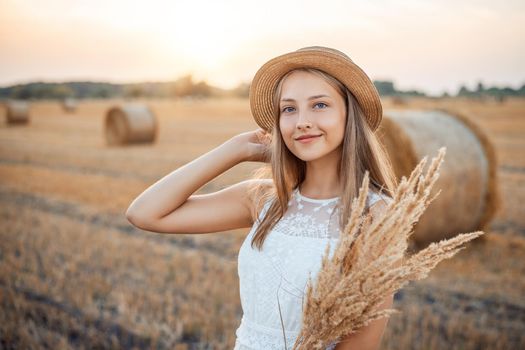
(74, 273)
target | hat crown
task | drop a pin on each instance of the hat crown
(325, 49)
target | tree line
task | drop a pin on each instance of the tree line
(186, 86)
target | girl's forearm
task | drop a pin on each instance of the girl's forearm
(168, 193)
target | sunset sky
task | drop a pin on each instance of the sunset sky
(434, 46)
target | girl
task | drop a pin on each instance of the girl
(318, 112)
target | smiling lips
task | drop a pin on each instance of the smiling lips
(307, 138)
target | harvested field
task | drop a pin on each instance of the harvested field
(75, 274)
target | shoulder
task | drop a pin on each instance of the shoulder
(253, 185)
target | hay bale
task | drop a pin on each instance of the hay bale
(469, 195)
(130, 123)
(69, 105)
(17, 112)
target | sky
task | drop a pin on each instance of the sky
(432, 46)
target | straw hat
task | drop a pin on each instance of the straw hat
(331, 61)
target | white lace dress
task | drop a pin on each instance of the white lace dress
(275, 278)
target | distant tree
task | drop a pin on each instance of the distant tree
(242, 90)
(385, 87)
(20, 93)
(134, 91)
(480, 88)
(102, 92)
(412, 93)
(201, 89)
(61, 91)
(463, 91)
(182, 86)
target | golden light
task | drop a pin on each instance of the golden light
(203, 38)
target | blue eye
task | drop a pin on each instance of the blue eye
(321, 103)
(285, 109)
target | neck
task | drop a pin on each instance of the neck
(322, 178)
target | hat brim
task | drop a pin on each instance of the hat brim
(265, 82)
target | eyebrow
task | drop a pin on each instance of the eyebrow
(309, 98)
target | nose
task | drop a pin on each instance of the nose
(303, 122)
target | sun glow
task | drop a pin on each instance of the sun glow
(204, 39)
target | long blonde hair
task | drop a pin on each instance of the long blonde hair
(361, 151)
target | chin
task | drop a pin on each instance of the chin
(309, 157)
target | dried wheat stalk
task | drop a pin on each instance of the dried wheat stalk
(352, 284)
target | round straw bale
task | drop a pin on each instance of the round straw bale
(130, 123)
(469, 195)
(17, 112)
(69, 105)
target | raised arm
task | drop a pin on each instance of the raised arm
(169, 206)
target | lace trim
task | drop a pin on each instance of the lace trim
(313, 200)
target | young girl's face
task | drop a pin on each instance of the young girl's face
(309, 105)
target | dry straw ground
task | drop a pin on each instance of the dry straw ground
(75, 274)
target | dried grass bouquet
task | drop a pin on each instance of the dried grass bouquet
(369, 261)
